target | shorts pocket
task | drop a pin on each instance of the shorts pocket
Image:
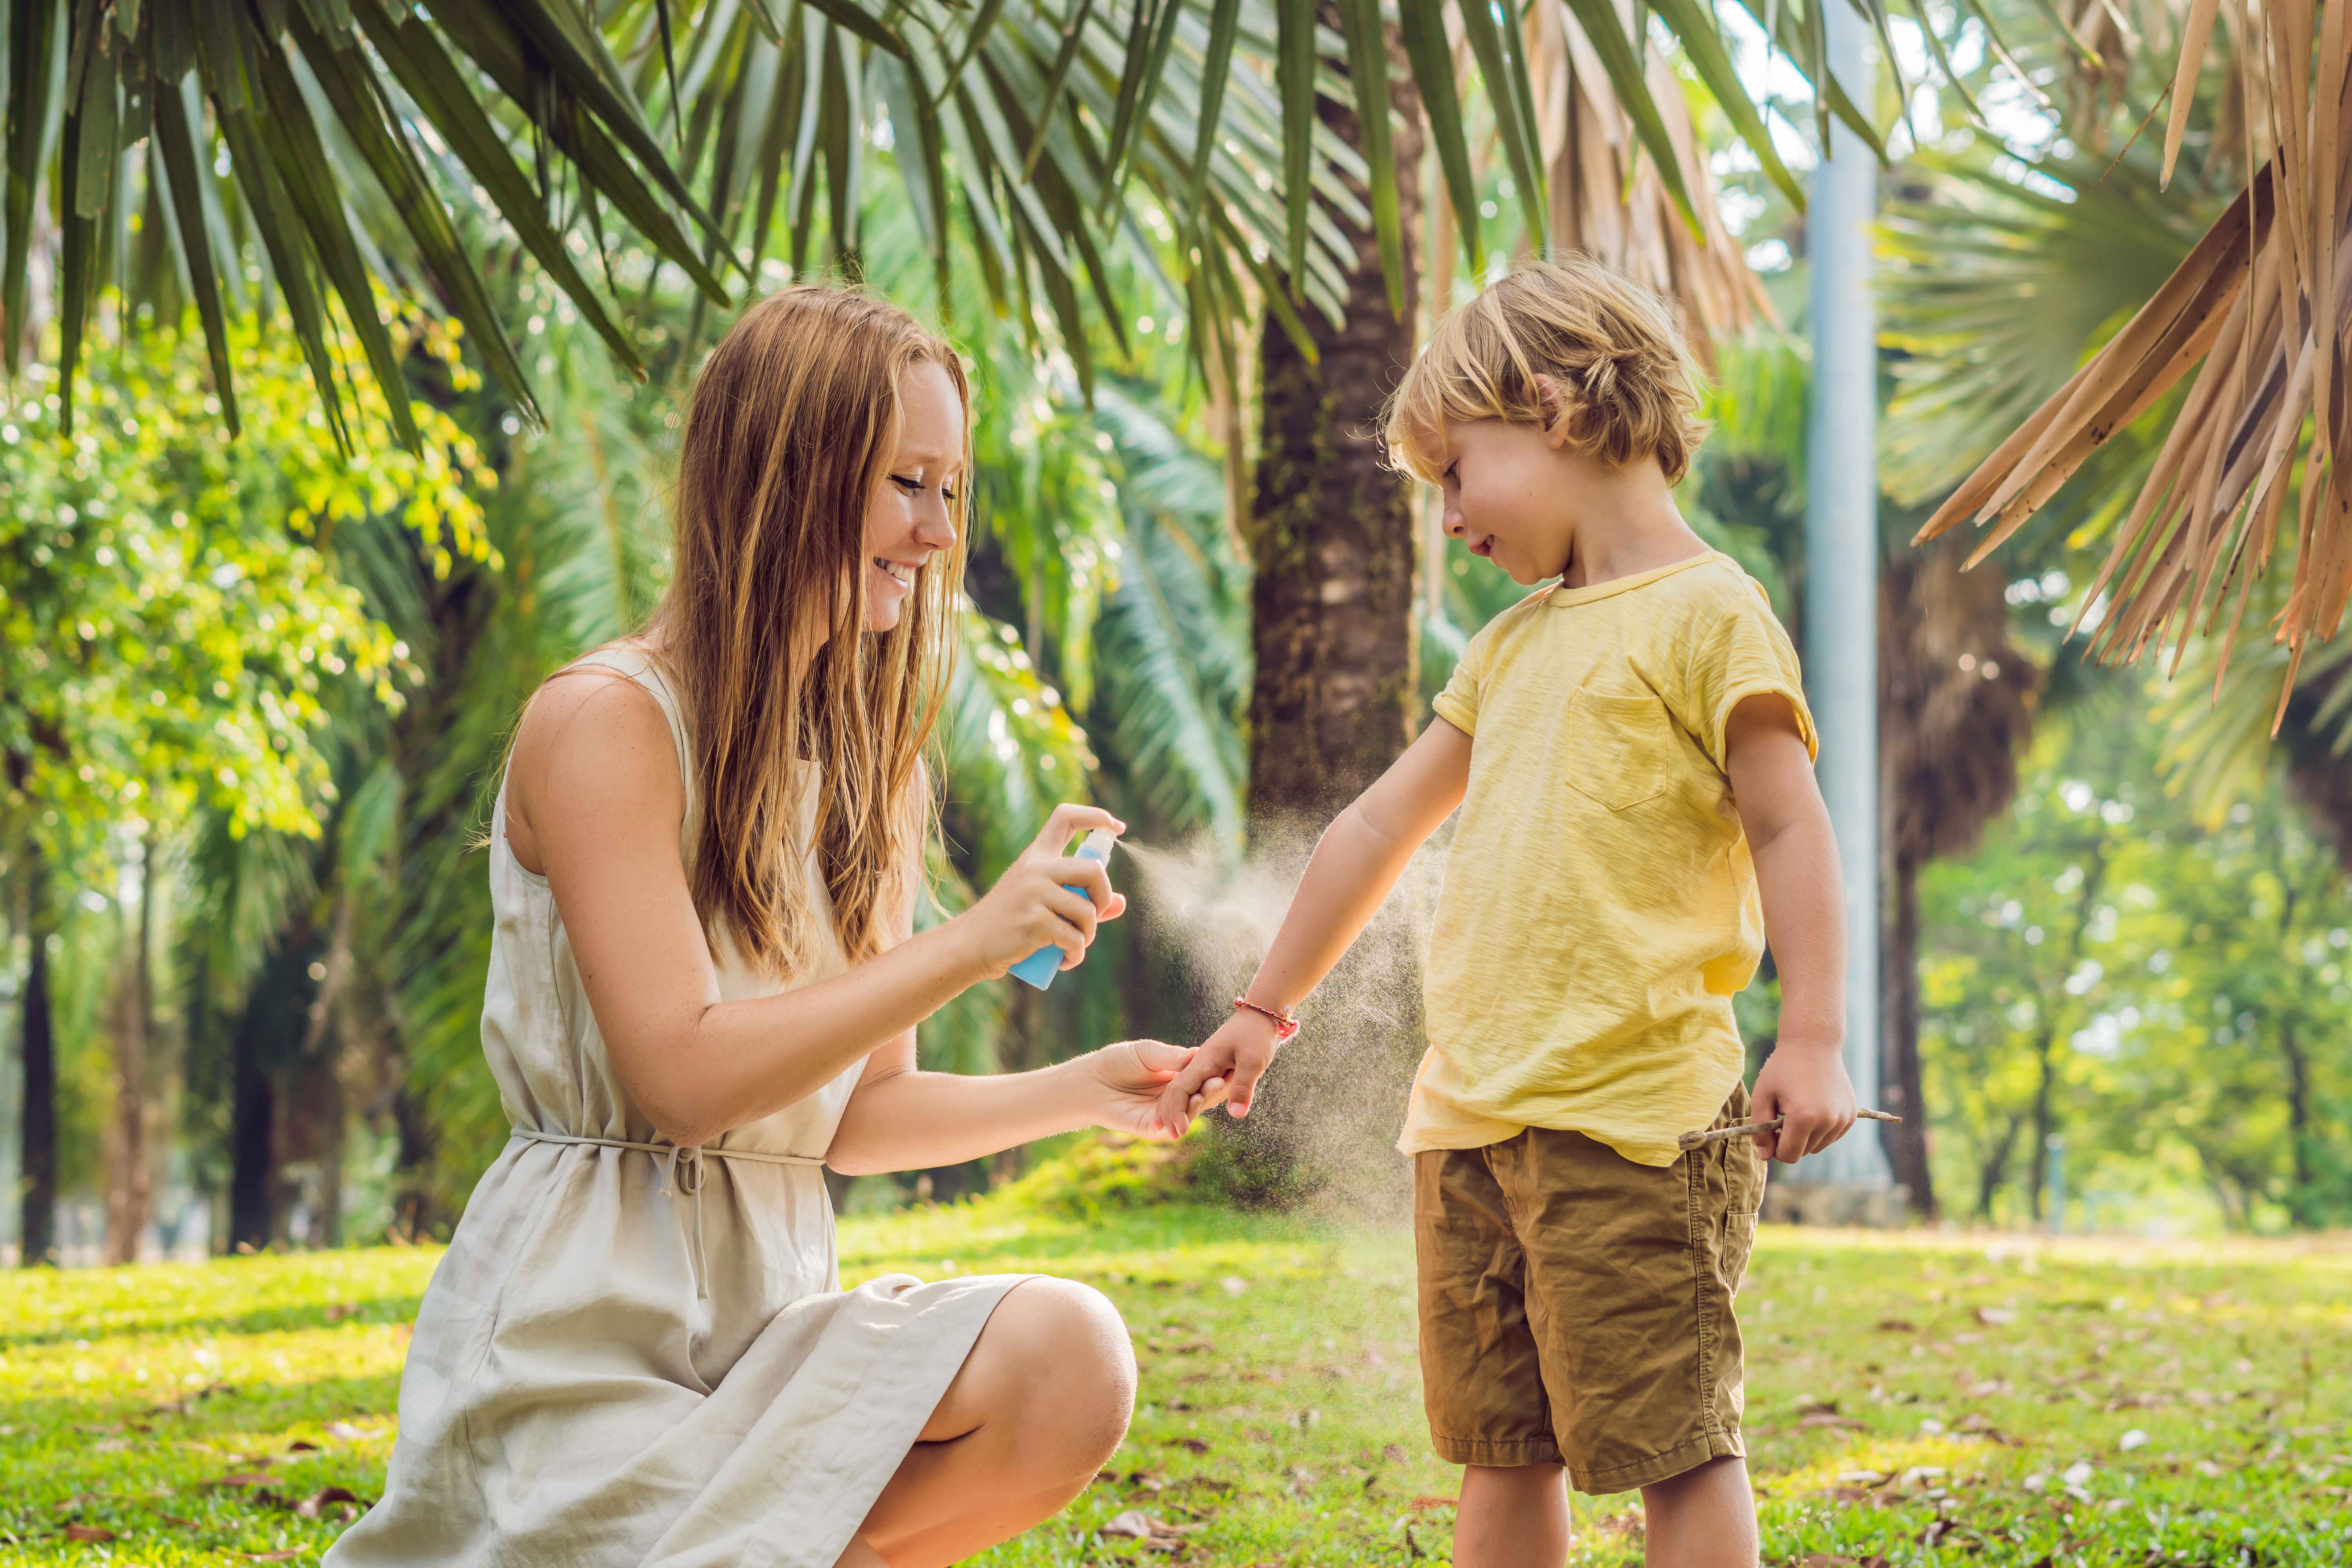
(1624, 747)
(1739, 1241)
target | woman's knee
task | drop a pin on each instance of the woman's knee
(1080, 1387)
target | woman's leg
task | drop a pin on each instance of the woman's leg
(1042, 1401)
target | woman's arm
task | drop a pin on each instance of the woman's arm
(1355, 862)
(903, 1119)
(594, 797)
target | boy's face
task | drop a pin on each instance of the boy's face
(1511, 495)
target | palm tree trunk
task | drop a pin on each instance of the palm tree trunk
(1907, 1141)
(1331, 537)
(36, 1229)
(1332, 626)
(1332, 528)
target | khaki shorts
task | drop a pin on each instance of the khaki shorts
(1576, 1307)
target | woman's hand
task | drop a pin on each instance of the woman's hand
(1032, 905)
(1122, 1084)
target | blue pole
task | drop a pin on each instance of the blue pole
(1841, 570)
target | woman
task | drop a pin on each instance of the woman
(703, 985)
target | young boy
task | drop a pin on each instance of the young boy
(1631, 751)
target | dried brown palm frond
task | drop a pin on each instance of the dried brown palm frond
(1603, 192)
(1607, 197)
(2261, 303)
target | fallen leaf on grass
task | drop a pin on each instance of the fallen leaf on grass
(180, 1406)
(89, 1532)
(1192, 1444)
(1897, 1326)
(1423, 1504)
(243, 1478)
(181, 1523)
(1993, 1317)
(1829, 1418)
(1975, 1425)
(310, 1507)
(301, 1446)
(344, 1430)
(1395, 1454)
(1136, 1525)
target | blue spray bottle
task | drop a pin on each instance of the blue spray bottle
(1040, 967)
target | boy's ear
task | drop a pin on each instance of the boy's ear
(1555, 408)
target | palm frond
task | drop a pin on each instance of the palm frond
(2262, 303)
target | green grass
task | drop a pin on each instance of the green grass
(1911, 1398)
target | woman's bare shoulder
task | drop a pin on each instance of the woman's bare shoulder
(592, 743)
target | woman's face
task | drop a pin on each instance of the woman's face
(909, 521)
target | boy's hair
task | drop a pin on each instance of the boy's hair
(1612, 347)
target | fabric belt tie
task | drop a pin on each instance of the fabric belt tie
(687, 1177)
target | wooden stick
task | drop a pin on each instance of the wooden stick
(1701, 1139)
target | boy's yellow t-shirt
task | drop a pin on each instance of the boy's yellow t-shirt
(1599, 908)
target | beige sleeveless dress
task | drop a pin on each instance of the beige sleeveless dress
(635, 1354)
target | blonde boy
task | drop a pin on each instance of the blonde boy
(1632, 754)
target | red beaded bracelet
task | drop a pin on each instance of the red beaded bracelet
(1286, 1023)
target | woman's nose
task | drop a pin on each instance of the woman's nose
(934, 529)
(1455, 527)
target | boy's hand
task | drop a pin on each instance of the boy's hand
(1226, 1068)
(1804, 1081)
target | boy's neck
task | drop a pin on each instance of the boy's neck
(1639, 532)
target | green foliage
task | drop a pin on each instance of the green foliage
(172, 630)
(2014, 1401)
(2167, 996)
(1101, 1174)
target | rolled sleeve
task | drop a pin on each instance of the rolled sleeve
(1744, 653)
(1458, 703)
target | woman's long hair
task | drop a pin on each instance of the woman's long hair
(793, 421)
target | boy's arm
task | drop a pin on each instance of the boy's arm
(1355, 863)
(1795, 852)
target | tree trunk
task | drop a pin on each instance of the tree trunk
(268, 1032)
(1331, 536)
(37, 1226)
(2045, 1118)
(1995, 1170)
(129, 1184)
(2303, 1202)
(252, 1116)
(1332, 528)
(1905, 1143)
(413, 1211)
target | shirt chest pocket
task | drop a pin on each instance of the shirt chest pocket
(1621, 748)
